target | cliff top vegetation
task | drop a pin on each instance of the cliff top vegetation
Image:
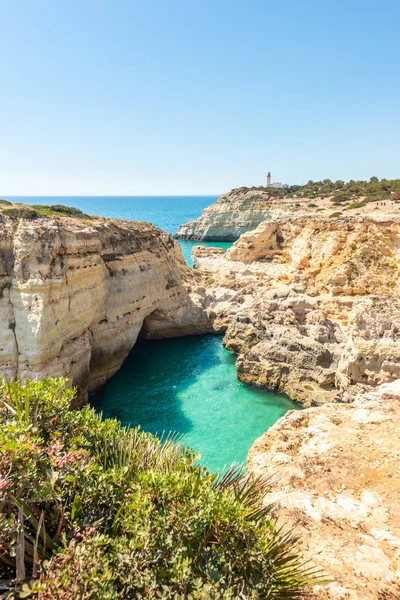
(36, 211)
(340, 192)
(93, 510)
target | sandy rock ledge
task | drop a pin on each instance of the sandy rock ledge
(339, 485)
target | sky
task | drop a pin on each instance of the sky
(127, 97)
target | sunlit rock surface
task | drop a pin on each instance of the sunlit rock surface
(76, 293)
(338, 484)
(243, 209)
(313, 304)
(314, 311)
(234, 213)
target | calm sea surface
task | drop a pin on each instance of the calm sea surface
(186, 385)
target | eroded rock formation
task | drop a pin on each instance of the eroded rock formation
(243, 209)
(314, 311)
(76, 292)
(314, 308)
(234, 213)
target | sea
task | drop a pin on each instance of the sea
(185, 386)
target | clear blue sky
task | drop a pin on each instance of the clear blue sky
(195, 96)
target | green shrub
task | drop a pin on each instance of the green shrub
(5, 203)
(68, 210)
(36, 211)
(57, 210)
(356, 205)
(335, 215)
(119, 514)
(340, 197)
(311, 205)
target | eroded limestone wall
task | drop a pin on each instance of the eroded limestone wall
(75, 293)
(313, 304)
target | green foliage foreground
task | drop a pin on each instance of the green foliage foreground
(90, 509)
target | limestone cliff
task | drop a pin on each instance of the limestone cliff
(234, 213)
(311, 307)
(76, 292)
(314, 306)
(243, 209)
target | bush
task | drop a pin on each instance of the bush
(356, 205)
(55, 210)
(339, 198)
(335, 215)
(67, 210)
(118, 514)
(311, 205)
(36, 211)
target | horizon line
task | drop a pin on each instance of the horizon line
(107, 195)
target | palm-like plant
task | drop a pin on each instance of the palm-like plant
(147, 518)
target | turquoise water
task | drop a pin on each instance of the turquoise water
(185, 385)
(189, 385)
(167, 212)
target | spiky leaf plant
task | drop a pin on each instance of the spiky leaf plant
(90, 509)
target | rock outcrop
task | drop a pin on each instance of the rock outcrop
(234, 213)
(314, 306)
(314, 311)
(243, 209)
(338, 484)
(76, 293)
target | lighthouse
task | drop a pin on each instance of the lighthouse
(269, 179)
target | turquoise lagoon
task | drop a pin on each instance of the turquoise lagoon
(186, 385)
(189, 386)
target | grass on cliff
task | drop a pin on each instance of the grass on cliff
(36, 211)
(93, 510)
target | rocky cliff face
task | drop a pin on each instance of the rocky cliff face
(75, 293)
(314, 308)
(243, 209)
(234, 213)
(311, 307)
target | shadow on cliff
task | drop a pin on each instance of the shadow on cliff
(149, 388)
